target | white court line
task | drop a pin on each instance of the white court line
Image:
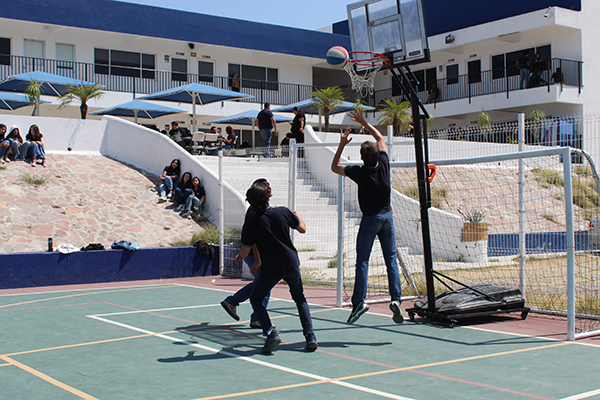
(88, 289)
(582, 395)
(155, 310)
(529, 336)
(254, 361)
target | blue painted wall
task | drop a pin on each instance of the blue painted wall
(442, 16)
(115, 16)
(18, 270)
(536, 243)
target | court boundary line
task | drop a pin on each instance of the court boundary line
(321, 379)
(80, 290)
(48, 378)
(251, 360)
(582, 395)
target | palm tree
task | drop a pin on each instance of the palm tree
(536, 116)
(396, 114)
(484, 121)
(325, 100)
(83, 94)
(33, 92)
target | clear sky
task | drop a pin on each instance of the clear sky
(306, 14)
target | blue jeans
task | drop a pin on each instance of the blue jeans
(24, 149)
(524, 78)
(266, 135)
(193, 203)
(382, 226)
(244, 293)
(36, 151)
(165, 185)
(261, 288)
(182, 195)
(3, 149)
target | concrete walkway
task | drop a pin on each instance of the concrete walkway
(85, 199)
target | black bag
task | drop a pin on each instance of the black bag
(205, 249)
(93, 246)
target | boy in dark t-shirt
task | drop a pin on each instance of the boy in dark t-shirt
(374, 189)
(268, 228)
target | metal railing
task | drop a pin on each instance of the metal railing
(504, 80)
(146, 81)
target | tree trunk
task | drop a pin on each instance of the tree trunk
(83, 109)
(326, 116)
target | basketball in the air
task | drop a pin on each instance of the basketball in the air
(337, 57)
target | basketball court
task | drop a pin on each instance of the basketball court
(172, 339)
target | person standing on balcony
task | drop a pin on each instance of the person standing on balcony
(524, 65)
(265, 121)
(374, 199)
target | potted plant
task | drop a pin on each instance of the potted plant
(473, 228)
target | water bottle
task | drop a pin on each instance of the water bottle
(50, 247)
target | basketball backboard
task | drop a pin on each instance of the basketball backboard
(395, 28)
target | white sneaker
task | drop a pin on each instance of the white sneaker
(162, 199)
(180, 207)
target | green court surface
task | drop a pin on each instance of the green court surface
(172, 341)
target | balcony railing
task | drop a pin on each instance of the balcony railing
(146, 81)
(504, 80)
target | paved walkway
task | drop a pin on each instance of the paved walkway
(86, 199)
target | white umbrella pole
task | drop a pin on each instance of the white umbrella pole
(194, 112)
(135, 115)
(253, 140)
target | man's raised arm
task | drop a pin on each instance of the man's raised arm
(357, 116)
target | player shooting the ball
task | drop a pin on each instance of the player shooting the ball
(374, 189)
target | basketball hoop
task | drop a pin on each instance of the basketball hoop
(370, 63)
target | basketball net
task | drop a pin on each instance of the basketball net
(364, 82)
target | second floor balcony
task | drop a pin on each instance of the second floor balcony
(556, 71)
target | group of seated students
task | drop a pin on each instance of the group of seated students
(13, 147)
(189, 194)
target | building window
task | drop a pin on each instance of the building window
(4, 51)
(511, 60)
(148, 66)
(34, 51)
(65, 55)
(430, 77)
(205, 71)
(474, 71)
(255, 77)
(124, 63)
(452, 74)
(498, 66)
(426, 78)
(420, 75)
(179, 69)
(101, 61)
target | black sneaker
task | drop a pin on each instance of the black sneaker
(395, 307)
(272, 341)
(230, 310)
(255, 325)
(311, 343)
(358, 310)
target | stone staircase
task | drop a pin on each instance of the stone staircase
(317, 204)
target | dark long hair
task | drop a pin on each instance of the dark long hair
(182, 183)
(258, 195)
(176, 170)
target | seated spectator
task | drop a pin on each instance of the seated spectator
(195, 200)
(245, 145)
(17, 144)
(229, 141)
(4, 145)
(434, 93)
(286, 140)
(181, 191)
(36, 149)
(557, 77)
(169, 176)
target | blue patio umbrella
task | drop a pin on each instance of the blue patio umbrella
(12, 101)
(306, 106)
(51, 84)
(138, 108)
(248, 118)
(195, 93)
